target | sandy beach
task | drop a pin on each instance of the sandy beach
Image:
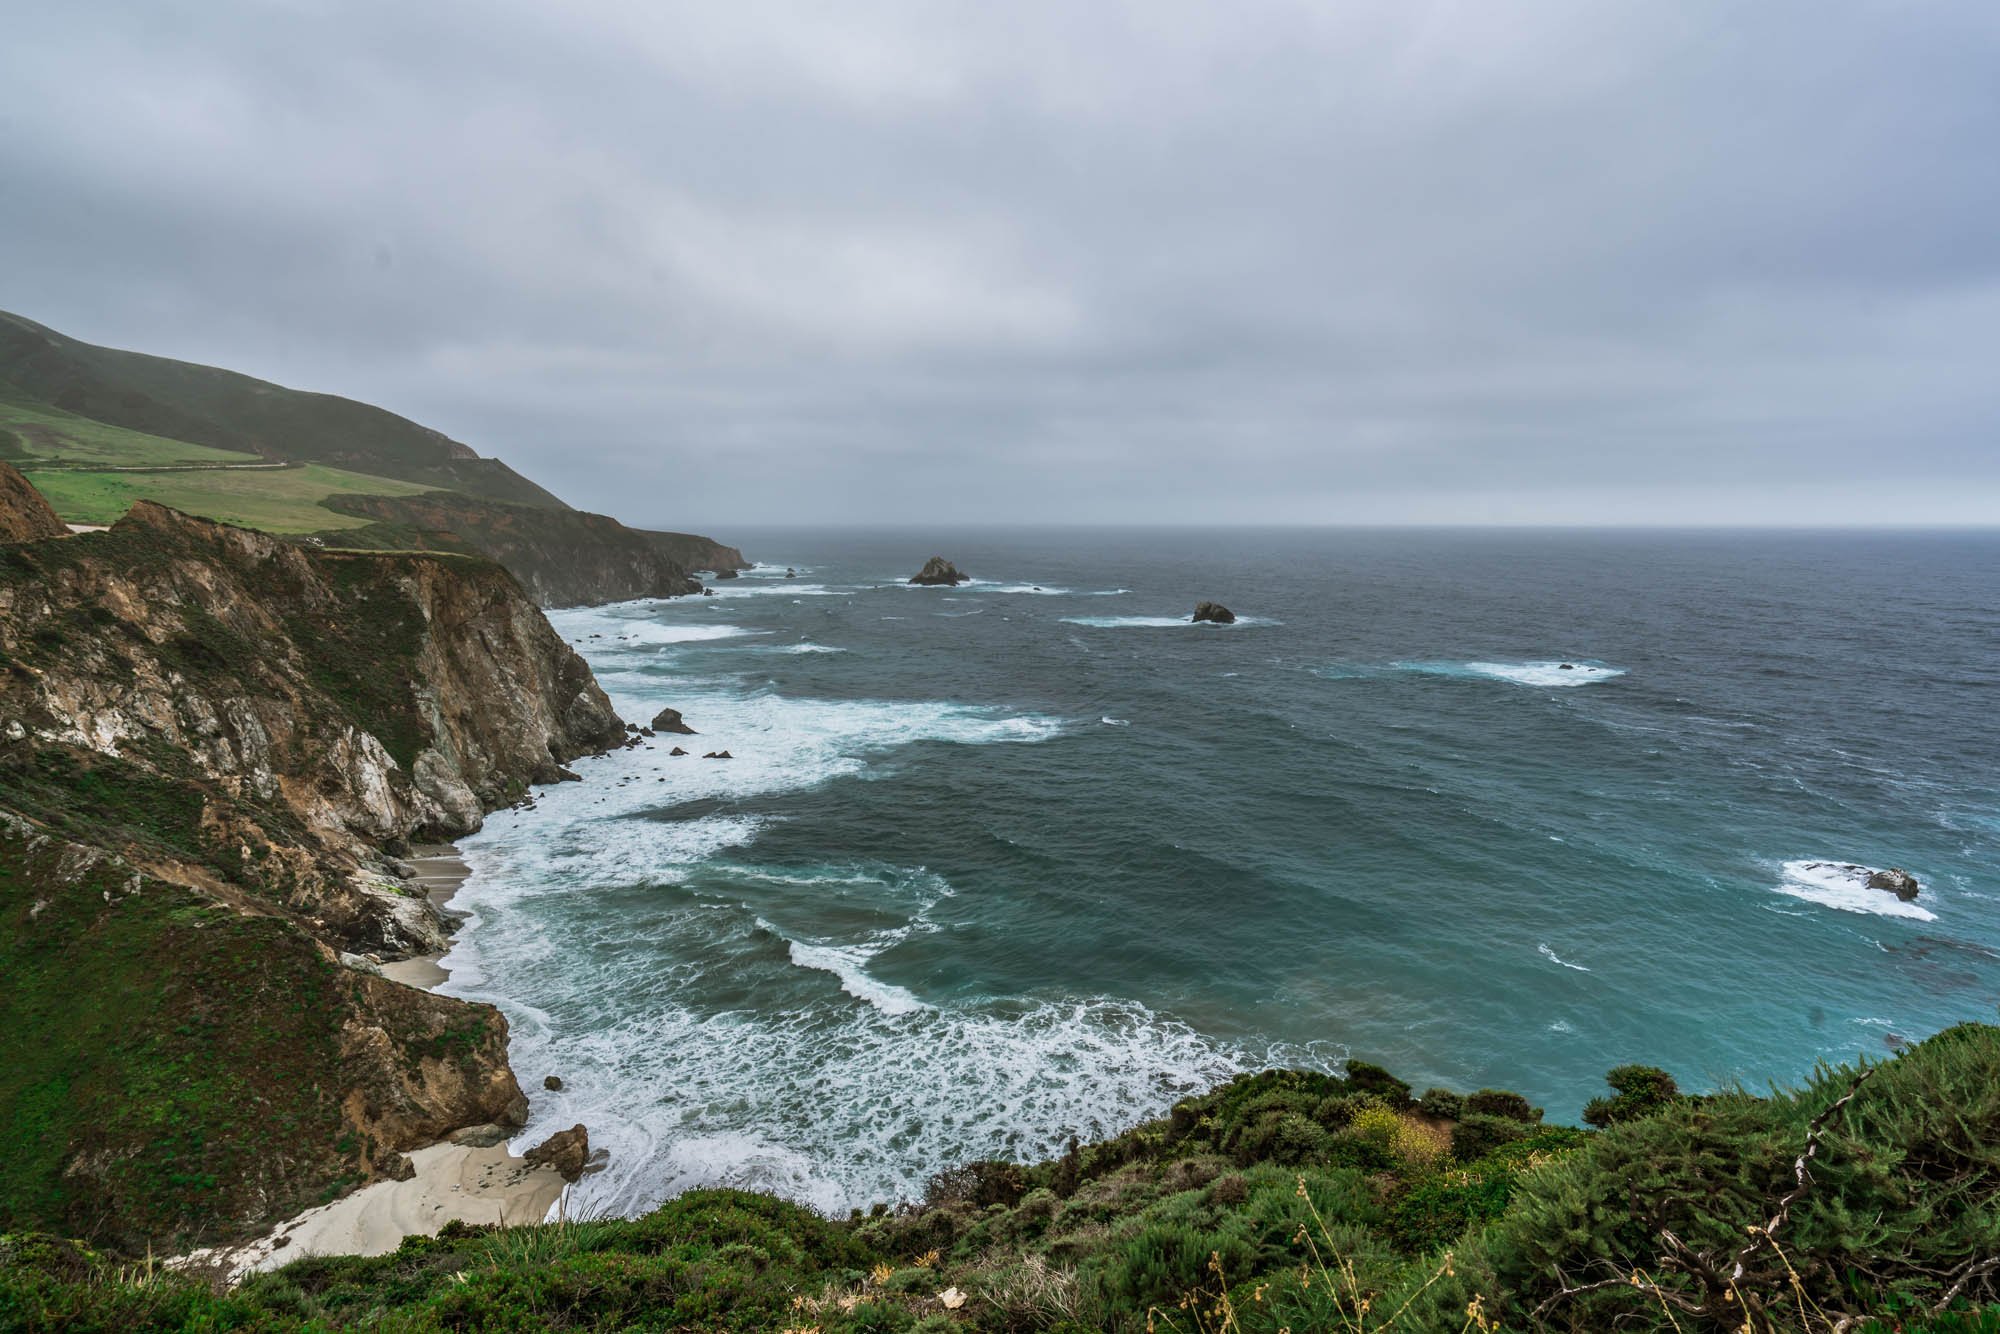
(440, 871)
(475, 1184)
(472, 1177)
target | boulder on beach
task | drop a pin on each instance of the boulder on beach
(566, 1151)
(669, 720)
(937, 570)
(1897, 881)
(1213, 612)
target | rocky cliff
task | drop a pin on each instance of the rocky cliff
(213, 744)
(24, 515)
(564, 558)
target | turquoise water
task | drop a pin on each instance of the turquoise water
(1028, 858)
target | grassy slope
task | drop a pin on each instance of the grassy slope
(285, 500)
(150, 1059)
(1282, 1201)
(36, 432)
(221, 409)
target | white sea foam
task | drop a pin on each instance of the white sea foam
(1546, 674)
(593, 631)
(849, 964)
(808, 648)
(737, 588)
(1161, 622)
(1553, 957)
(1116, 722)
(1844, 885)
(704, 1050)
(840, 1105)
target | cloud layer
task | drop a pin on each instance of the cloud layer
(1159, 261)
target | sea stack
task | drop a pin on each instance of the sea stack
(670, 720)
(1897, 881)
(1213, 612)
(725, 573)
(937, 570)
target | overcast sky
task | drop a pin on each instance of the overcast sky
(1154, 261)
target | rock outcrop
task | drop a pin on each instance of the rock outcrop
(727, 572)
(1897, 881)
(568, 1151)
(214, 747)
(564, 558)
(937, 571)
(1213, 612)
(24, 515)
(670, 720)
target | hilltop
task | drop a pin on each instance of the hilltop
(97, 429)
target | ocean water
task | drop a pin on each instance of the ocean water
(1034, 856)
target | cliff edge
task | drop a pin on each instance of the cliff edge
(214, 745)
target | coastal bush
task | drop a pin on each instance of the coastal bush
(1641, 1090)
(1441, 1103)
(1367, 1078)
(1477, 1134)
(1503, 1103)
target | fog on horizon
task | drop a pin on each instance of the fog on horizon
(1167, 263)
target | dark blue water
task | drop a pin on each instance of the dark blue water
(1032, 856)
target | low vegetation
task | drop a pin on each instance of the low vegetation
(1282, 1201)
(273, 499)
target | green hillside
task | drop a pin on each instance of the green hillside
(37, 434)
(277, 498)
(50, 381)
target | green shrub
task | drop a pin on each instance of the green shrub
(1478, 1134)
(1366, 1078)
(1641, 1089)
(1503, 1103)
(1441, 1103)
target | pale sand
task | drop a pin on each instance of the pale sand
(453, 1181)
(440, 871)
(474, 1185)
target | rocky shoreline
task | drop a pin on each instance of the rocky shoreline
(472, 1176)
(219, 752)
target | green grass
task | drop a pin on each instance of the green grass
(36, 432)
(276, 501)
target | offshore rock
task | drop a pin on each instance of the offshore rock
(567, 1151)
(726, 573)
(669, 720)
(1897, 881)
(938, 571)
(1213, 612)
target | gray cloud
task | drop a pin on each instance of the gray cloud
(1156, 261)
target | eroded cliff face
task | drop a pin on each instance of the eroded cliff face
(25, 516)
(213, 746)
(564, 558)
(383, 696)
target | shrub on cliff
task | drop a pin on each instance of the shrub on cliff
(1641, 1090)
